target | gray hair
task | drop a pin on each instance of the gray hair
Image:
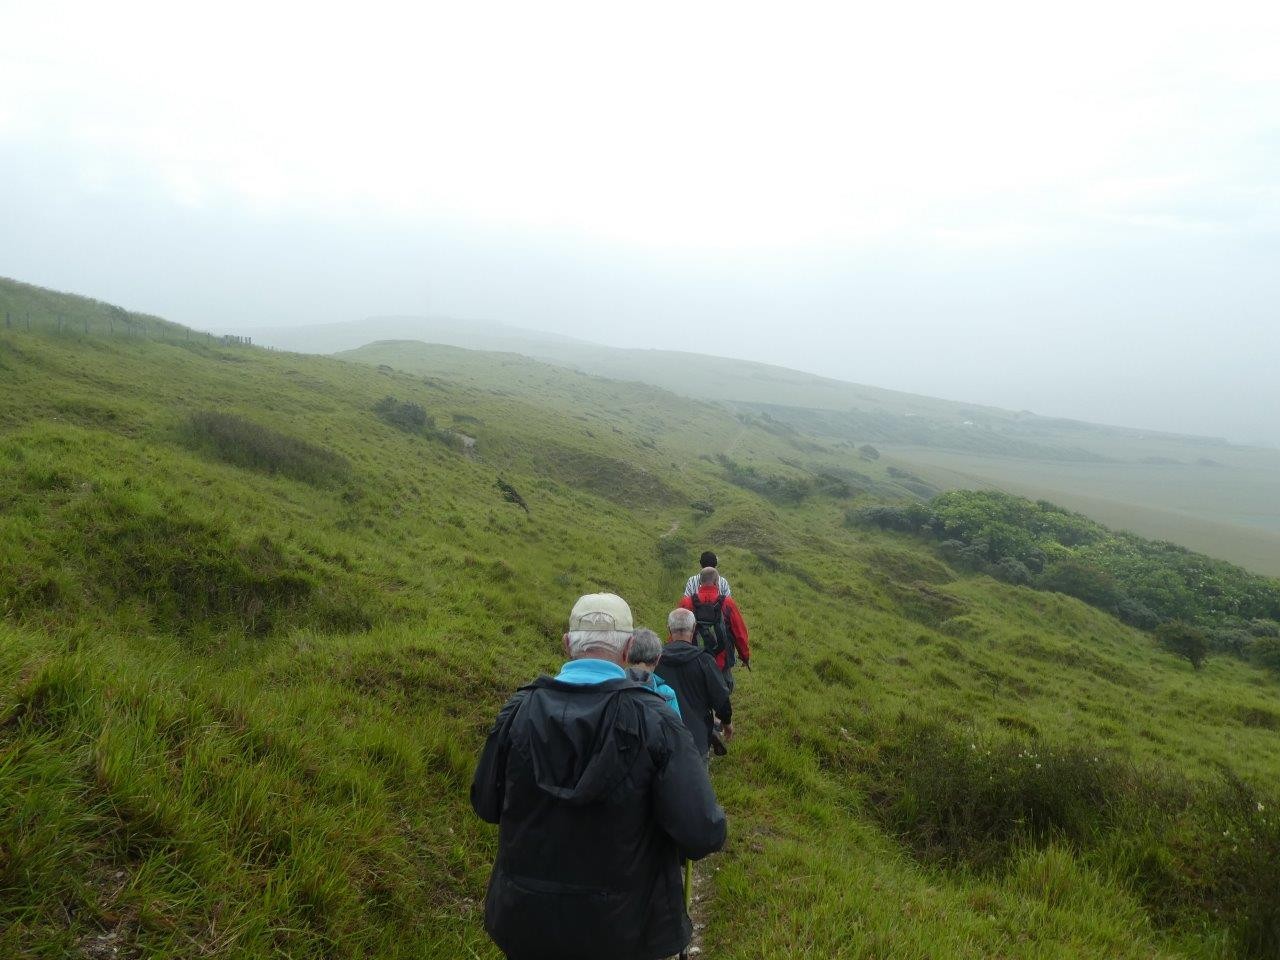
(709, 575)
(680, 620)
(646, 646)
(582, 642)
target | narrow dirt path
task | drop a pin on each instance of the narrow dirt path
(675, 525)
(700, 910)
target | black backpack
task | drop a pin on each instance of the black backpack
(709, 628)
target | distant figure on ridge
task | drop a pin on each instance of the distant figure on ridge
(708, 559)
(642, 661)
(598, 792)
(719, 626)
(698, 682)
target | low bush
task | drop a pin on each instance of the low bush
(1136, 613)
(404, 414)
(1265, 652)
(1183, 640)
(243, 443)
(1245, 865)
(775, 487)
(1082, 580)
(1185, 847)
(954, 799)
(1011, 570)
(904, 519)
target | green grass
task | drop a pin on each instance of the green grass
(1202, 493)
(239, 708)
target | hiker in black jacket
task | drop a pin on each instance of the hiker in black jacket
(699, 685)
(598, 792)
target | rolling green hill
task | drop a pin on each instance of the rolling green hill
(1202, 492)
(259, 609)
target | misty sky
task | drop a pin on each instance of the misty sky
(1073, 209)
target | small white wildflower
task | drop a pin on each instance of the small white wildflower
(1260, 806)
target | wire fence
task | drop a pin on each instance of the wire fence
(114, 322)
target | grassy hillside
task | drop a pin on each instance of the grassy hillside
(256, 623)
(1203, 493)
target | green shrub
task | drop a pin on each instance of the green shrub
(1230, 640)
(780, 489)
(833, 485)
(404, 414)
(1183, 640)
(905, 519)
(1209, 849)
(1011, 570)
(1136, 613)
(243, 443)
(953, 798)
(1082, 580)
(1246, 865)
(1265, 652)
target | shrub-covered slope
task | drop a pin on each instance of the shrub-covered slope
(240, 695)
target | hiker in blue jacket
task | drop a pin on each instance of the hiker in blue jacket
(642, 661)
(598, 793)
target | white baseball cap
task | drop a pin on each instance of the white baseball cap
(601, 611)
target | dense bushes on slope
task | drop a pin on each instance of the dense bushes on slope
(1144, 582)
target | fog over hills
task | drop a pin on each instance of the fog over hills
(694, 372)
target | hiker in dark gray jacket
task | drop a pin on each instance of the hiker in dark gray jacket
(697, 681)
(598, 792)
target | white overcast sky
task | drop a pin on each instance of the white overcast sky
(1069, 208)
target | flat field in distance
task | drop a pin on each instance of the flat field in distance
(1229, 508)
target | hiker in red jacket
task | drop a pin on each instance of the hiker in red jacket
(720, 628)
